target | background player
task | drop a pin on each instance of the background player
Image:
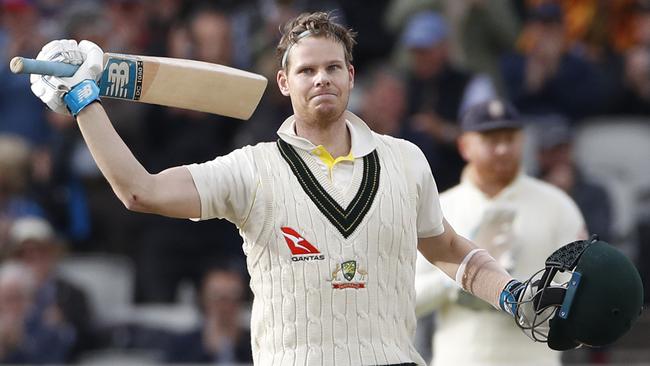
(500, 209)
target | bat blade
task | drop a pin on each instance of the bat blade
(180, 83)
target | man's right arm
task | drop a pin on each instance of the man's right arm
(170, 193)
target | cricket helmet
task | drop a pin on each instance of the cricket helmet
(589, 293)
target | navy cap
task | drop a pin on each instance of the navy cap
(424, 29)
(492, 114)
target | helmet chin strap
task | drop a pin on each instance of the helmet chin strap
(549, 296)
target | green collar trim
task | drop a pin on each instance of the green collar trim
(345, 220)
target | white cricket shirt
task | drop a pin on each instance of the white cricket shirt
(331, 254)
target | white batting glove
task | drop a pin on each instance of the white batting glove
(495, 234)
(51, 89)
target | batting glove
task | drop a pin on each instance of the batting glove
(52, 89)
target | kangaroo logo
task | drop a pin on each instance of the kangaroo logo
(354, 277)
(297, 244)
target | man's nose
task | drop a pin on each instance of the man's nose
(322, 78)
(502, 148)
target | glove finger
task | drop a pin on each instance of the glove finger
(87, 46)
(58, 106)
(94, 56)
(65, 50)
(56, 50)
(38, 89)
(49, 49)
(73, 54)
(33, 78)
(68, 45)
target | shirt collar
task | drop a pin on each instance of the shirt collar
(505, 193)
(361, 137)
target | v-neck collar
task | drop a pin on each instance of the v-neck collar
(346, 220)
(362, 139)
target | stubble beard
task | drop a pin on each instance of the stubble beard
(503, 176)
(324, 115)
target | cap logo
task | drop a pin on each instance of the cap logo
(496, 109)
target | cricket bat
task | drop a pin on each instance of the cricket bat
(188, 84)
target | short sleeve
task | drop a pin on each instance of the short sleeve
(429, 213)
(226, 186)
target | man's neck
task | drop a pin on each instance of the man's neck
(334, 136)
(490, 188)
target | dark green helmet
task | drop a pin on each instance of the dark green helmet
(595, 307)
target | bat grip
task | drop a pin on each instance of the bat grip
(21, 65)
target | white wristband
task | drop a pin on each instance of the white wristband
(461, 269)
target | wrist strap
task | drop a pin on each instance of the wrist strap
(81, 96)
(509, 296)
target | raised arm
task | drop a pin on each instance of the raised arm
(170, 193)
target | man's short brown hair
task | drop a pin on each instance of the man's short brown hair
(318, 24)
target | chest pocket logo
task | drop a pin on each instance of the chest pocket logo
(301, 249)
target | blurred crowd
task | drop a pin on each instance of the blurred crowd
(578, 71)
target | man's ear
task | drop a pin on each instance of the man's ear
(283, 82)
(351, 72)
(463, 145)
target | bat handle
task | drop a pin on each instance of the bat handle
(21, 65)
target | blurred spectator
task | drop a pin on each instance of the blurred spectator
(375, 41)
(56, 302)
(486, 30)
(545, 76)
(383, 101)
(169, 249)
(56, 184)
(273, 107)
(222, 338)
(127, 33)
(614, 36)
(436, 92)
(634, 98)
(20, 35)
(14, 182)
(179, 136)
(633, 76)
(558, 167)
(480, 31)
(598, 27)
(25, 337)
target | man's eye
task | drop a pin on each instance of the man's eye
(335, 67)
(306, 70)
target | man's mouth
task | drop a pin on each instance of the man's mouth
(323, 95)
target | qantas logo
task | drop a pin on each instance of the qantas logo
(301, 249)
